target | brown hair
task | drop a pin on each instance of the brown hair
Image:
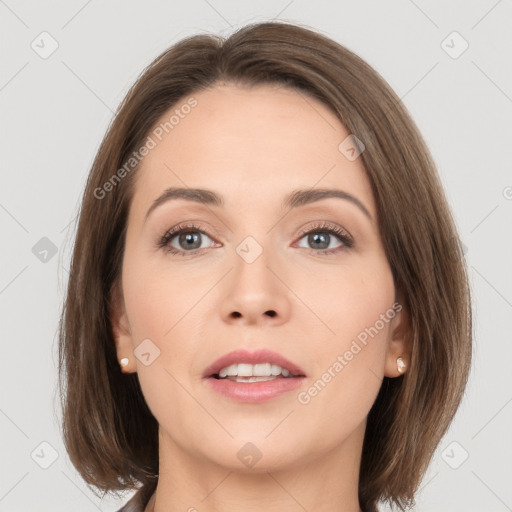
(109, 432)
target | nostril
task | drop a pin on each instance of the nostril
(271, 313)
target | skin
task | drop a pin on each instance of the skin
(254, 146)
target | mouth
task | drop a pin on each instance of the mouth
(261, 372)
(253, 377)
(251, 367)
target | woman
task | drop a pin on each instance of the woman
(267, 305)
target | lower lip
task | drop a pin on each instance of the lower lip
(254, 392)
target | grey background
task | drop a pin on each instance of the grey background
(55, 111)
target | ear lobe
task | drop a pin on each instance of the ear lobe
(399, 343)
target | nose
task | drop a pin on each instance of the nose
(255, 294)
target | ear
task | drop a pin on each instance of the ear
(121, 330)
(399, 344)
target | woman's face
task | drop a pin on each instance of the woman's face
(248, 276)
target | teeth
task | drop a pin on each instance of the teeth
(252, 379)
(253, 370)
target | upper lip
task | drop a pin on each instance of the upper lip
(248, 357)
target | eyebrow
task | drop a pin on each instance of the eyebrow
(296, 199)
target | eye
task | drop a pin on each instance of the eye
(184, 240)
(189, 239)
(321, 237)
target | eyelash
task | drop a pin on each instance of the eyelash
(323, 227)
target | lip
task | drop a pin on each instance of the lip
(247, 357)
(253, 392)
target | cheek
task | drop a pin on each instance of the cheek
(163, 307)
(356, 310)
(159, 309)
(157, 301)
(350, 299)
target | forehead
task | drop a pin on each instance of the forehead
(253, 143)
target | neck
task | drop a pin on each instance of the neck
(325, 482)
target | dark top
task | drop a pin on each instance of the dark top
(140, 499)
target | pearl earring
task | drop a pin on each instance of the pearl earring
(124, 362)
(400, 365)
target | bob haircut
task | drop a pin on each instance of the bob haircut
(109, 432)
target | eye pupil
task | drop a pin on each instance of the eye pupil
(321, 237)
(189, 239)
